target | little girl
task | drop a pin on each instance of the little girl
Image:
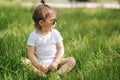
(45, 46)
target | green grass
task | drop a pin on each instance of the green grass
(92, 36)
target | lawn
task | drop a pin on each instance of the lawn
(92, 36)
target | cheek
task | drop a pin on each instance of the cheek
(48, 25)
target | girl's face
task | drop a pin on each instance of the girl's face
(49, 23)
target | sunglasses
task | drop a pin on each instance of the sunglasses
(53, 21)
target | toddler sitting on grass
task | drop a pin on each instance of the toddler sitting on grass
(45, 46)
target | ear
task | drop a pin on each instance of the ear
(41, 22)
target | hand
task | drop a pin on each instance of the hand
(44, 68)
(53, 66)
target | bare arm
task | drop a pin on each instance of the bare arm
(59, 55)
(34, 60)
(32, 57)
(60, 52)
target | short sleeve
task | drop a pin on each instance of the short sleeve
(58, 36)
(31, 39)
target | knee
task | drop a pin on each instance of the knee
(72, 61)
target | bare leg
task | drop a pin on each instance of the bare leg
(67, 65)
(27, 62)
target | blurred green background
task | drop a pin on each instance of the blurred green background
(62, 0)
(90, 35)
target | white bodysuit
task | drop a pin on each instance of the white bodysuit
(45, 45)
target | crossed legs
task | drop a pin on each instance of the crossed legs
(66, 65)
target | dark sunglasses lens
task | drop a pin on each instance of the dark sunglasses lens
(54, 22)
